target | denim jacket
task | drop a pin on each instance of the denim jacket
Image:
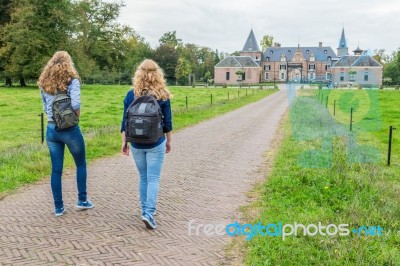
(166, 123)
(74, 91)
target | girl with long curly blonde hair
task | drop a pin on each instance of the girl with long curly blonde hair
(59, 76)
(149, 81)
(57, 73)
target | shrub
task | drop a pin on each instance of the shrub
(359, 86)
(381, 87)
(224, 85)
(320, 86)
(396, 87)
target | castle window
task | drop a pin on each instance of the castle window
(267, 67)
(328, 76)
(227, 75)
(366, 76)
(311, 66)
(282, 67)
(341, 76)
(266, 75)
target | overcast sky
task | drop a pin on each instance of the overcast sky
(225, 25)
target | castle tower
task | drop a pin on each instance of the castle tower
(342, 49)
(251, 48)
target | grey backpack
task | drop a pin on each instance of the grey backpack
(144, 121)
(63, 114)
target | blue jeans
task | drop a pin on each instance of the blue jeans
(56, 141)
(149, 163)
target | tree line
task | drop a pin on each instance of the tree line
(103, 50)
(391, 66)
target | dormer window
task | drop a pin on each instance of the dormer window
(325, 51)
(267, 58)
(289, 51)
(312, 57)
(271, 52)
(307, 51)
(329, 58)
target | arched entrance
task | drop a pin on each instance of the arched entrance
(295, 73)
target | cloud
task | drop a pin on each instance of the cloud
(225, 25)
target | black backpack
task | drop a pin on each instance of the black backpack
(63, 114)
(144, 121)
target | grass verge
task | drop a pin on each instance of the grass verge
(326, 174)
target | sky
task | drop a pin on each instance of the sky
(225, 25)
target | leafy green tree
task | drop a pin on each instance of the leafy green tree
(5, 16)
(380, 56)
(98, 37)
(36, 30)
(167, 58)
(391, 71)
(136, 50)
(170, 39)
(182, 71)
(208, 76)
(266, 42)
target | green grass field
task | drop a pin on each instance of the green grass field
(23, 159)
(323, 173)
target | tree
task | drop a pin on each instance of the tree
(170, 39)
(48, 26)
(266, 42)
(391, 71)
(98, 38)
(136, 51)
(380, 56)
(208, 76)
(5, 16)
(182, 71)
(167, 58)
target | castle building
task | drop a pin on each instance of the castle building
(359, 68)
(298, 64)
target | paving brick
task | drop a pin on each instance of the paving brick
(205, 179)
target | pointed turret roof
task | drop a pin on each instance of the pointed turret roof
(342, 42)
(251, 44)
(358, 51)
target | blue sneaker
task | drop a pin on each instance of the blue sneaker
(83, 205)
(150, 223)
(59, 211)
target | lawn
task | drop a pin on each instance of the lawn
(325, 173)
(24, 159)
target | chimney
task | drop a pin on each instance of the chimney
(320, 44)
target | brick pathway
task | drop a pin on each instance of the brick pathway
(205, 179)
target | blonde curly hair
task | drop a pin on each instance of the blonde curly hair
(149, 79)
(57, 73)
